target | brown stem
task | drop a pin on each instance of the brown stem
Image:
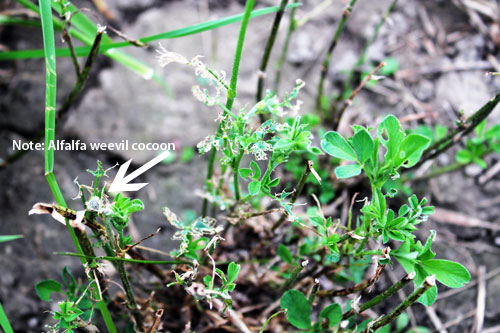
(348, 101)
(379, 298)
(429, 282)
(358, 287)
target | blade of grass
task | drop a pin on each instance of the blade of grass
(50, 115)
(107, 47)
(8, 238)
(4, 321)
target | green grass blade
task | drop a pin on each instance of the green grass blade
(8, 238)
(178, 33)
(50, 82)
(4, 321)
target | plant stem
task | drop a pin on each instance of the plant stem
(130, 295)
(326, 62)
(279, 66)
(348, 101)
(300, 187)
(358, 287)
(4, 321)
(231, 95)
(137, 261)
(293, 276)
(132, 304)
(362, 59)
(314, 292)
(236, 176)
(268, 49)
(384, 295)
(83, 76)
(50, 109)
(456, 134)
(429, 282)
(268, 320)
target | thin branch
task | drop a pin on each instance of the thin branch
(382, 296)
(269, 47)
(295, 195)
(129, 247)
(82, 78)
(326, 62)
(293, 276)
(348, 101)
(460, 131)
(358, 287)
(429, 282)
(279, 66)
(157, 321)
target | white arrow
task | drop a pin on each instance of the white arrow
(121, 183)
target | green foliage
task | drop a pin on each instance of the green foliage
(192, 233)
(67, 316)
(476, 148)
(298, 309)
(333, 313)
(298, 312)
(401, 150)
(121, 209)
(45, 288)
(273, 141)
(8, 238)
(77, 304)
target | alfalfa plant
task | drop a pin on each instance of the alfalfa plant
(320, 244)
(379, 159)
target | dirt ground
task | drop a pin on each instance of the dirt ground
(443, 47)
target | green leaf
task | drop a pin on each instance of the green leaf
(232, 272)
(426, 253)
(348, 171)
(298, 309)
(335, 145)
(449, 273)
(411, 149)
(45, 288)
(363, 145)
(284, 253)
(245, 173)
(334, 314)
(390, 135)
(274, 182)
(429, 297)
(402, 321)
(254, 187)
(256, 170)
(7, 238)
(391, 66)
